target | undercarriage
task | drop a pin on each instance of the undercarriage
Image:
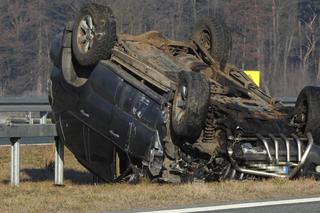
(246, 133)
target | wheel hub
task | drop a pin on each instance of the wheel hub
(85, 34)
(205, 40)
(181, 103)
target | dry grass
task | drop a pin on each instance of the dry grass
(37, 193)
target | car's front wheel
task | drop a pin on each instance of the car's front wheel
(190, 105)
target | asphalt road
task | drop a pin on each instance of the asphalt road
(295, 208)
(301, 205)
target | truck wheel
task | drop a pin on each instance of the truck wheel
(94, 34)
(215, 37)
(190, 105)
(307, 112)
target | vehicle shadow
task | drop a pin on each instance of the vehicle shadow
(47, 174)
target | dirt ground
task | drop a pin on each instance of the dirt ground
(37, 193)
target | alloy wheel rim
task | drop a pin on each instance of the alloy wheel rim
(205, 40)
(86, 34)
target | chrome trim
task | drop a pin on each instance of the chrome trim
(265, 143)
(241, 176)
(298, 145)
(84, 113)
(233, 174)
(287, 146)
(276, 147)
(254, 172)
(114, 134)
(304, 157)
(293, 172)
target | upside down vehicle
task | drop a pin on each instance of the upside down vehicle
(173, 111)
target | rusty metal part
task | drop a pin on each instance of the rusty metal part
(235, 101)
(239, 78)
(144, 71)
(209, 129)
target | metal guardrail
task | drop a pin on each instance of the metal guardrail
(15, 132)
(24, 104)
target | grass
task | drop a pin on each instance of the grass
(37, 193)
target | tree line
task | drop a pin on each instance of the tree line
(280, 38)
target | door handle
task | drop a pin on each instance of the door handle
(84, 113)
(114, 134)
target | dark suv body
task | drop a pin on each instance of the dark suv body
(110, 111)
(130, 106)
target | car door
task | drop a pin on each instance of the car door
(97, 99)
(134, 121)
(91, 149)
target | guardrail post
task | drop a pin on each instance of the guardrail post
(43, 117)
(15, 161)
(59, 159)
(95, 179)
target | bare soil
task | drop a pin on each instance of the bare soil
(37, 193)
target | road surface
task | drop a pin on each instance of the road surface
(308, 205)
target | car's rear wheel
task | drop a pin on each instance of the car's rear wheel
(307, 112)
(214, 36)
(190, 105)
(94, 34)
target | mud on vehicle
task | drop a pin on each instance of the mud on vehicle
(144, 105)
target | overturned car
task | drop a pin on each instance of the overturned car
(130, 106)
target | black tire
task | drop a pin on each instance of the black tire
(190, 105)
(215, 37)
(93, 43)
(307, 112)
(56, 50)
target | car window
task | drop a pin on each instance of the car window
(138, 104)
(105, 82)
(126, 97)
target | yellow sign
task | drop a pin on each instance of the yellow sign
(254, 75)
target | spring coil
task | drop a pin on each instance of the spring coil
(209, 129)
